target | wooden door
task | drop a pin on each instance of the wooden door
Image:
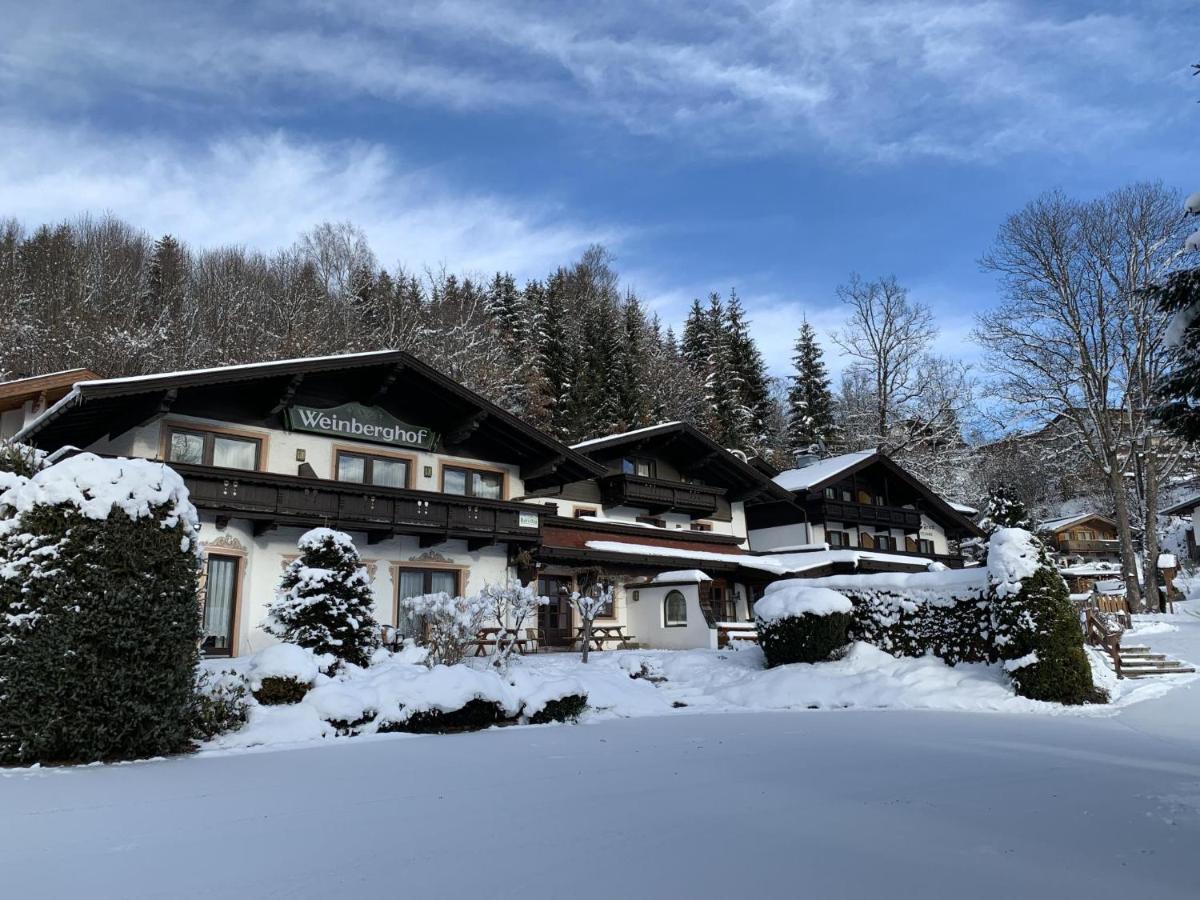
(554, 619)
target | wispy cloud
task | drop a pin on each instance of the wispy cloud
(866, 81)
(263, 190)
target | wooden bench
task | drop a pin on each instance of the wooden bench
(603, 634)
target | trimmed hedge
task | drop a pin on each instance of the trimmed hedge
(98, 650)
(472, 716)
(807, 638)
(276, 690)
(954, 630)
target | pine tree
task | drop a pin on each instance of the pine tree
(754, 391)
(1178, 393)
(1003, 509)
(810, 401)
(325, 600)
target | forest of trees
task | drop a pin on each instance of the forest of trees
(580, 355)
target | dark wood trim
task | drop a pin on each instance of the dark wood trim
(272, 500)
(646, 535)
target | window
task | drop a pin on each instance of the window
(701, 526)
(652, 520)
(925, 546)
(838, 539)
(472, 483)
(208, 448)
(885, 542)
(847, 495)
(417, 583)
(581, 511)
(643, 468)
(363, 468)
(830, 493)
(220, 604)
(675, 609)
(606, 611)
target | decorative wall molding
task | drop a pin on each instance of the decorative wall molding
(431, 556)
(225, 542)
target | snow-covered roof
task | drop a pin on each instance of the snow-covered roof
(1167, 561)
(1184, 506)
(962, 508)
(624, 434)
(676, 576)
(803, 478)
(774, 563)
(1065, 521)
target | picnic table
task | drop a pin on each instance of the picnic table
(604, 634)
(485, 639)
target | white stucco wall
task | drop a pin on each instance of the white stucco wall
(796, 534)
(264, 557)
(645, 618)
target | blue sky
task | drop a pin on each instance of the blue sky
(775, 147)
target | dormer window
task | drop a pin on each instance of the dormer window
(639, 466)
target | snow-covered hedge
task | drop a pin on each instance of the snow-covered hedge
(397, 692)
(946, 613)
(99, 618)
(1013, 610)
(798, 622)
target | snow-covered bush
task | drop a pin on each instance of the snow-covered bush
(325, 600)
(1036, 627)
(19, 459)
(451, 624)
(800, 623)
(510, 605)
(99, 612)
(283, 673)
(221, 704)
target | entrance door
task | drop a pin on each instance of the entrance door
(554, 619)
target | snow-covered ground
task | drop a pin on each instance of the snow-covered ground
(651, 799)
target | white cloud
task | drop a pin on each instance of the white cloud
(868, 81)
(263, 190)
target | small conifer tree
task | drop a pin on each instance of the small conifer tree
(1004, 510)
(325, 601)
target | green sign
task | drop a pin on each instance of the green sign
(362, 423)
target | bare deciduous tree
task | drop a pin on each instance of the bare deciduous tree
(1072, 342)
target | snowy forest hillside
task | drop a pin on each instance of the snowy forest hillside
(575, 352)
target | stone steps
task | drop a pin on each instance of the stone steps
(1139, 661)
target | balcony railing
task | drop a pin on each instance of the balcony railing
(659, 495)
(865, 513)
(270, 499)
(1068, 545)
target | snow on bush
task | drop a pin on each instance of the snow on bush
(797, 596)
(451, 624)
(798, 622)
(95, 487)
(1013, 556)
(99, 620)
(325, 599)
(284, 661)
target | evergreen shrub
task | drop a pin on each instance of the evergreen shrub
(99, 617)
(564, 709)
(806, 638)
(277, 690)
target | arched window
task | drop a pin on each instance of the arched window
(675, 609)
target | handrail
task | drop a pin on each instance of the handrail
(1097, 633)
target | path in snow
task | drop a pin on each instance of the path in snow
(819, 804)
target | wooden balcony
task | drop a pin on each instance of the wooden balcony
(270, 500)
(825, 510)
(1092, 548)
(659, 495)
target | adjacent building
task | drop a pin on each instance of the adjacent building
(444, 491)
(1083, 537)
